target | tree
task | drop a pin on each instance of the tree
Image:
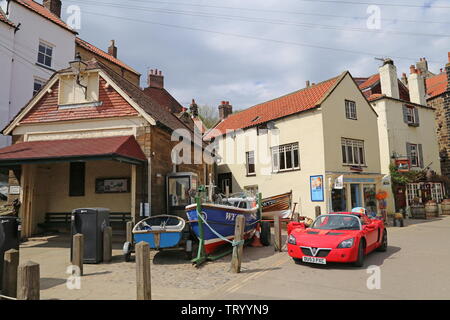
(209, 115)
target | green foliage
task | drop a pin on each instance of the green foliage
(403, 178)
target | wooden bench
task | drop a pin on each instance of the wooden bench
(58, 220)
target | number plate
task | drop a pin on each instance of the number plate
(314, 260)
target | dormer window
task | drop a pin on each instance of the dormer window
(411, 115)
(79, 90)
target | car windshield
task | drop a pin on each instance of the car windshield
(336, 222)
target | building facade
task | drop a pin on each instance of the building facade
(321, 142)
(406, 131)
(90, 138)
(39, 44)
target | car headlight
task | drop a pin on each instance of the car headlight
(291, 239)
(346, 243)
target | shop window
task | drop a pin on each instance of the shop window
(285, 158)
(77, 179)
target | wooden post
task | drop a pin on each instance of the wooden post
(10, 266)
(107, 244)
(78, 251)
(130, 232)
(143, 274)
(236, 259)
(277, 232)
(28, 281)
(317, 211)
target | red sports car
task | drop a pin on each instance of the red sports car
(337, 237)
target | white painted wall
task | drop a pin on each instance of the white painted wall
(25, 44)
(6, 57)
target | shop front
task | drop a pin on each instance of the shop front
(351, 192)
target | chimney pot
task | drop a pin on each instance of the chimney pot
(54, 6)
(155, 80)
(449, 57)
(307, 83)
(112, 49)
(225, 109)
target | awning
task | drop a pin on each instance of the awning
(123, 148)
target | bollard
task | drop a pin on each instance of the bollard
(78, 251)
(130, 232)
(317, 211)
(107, 244)
(28, 281)
(277, 232)
(143, 274)
(238, 250)
(10, 266)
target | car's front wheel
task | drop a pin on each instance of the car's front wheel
(360, 260)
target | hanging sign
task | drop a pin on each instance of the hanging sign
(402, 165)
(339, 182)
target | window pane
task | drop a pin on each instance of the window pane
(282, 161)
(356, 155)
(361, 155)
(289, 160)
(40, 58)
(296, 160)
(350, 154)
(41, 48)
(48, 61)
(344, 156)
(49, 51)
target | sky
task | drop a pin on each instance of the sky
(251, 51)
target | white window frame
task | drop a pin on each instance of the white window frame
(46, 46)
(410, 115)
(412, 191)
(250, 155)
(39, 81)
(357, 150)
(286, 148)
(414, 154)
(350, 110)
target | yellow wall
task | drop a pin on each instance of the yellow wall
(58, 187)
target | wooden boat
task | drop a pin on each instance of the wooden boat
(279, 205)
(220, 220)
(162, 231)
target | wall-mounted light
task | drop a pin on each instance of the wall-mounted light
(394, 155)
(78, 67)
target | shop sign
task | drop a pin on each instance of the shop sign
(402, 165)
(14, 189)
(339, 182)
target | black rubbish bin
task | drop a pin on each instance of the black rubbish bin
(9, 238)
(90, 222)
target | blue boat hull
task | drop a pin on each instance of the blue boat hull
(167, 239)
(222, 220)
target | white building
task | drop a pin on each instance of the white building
(34, 42)
(406, 130)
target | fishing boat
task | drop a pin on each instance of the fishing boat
(218, 220)
(279, 205)
(162, 231)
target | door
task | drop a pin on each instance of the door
(355, 193)
(224, 180)
(339, 200)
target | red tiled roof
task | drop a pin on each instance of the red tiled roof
(4, 19)
(289, 104)
(122, 146)
(370, 81)
(437, 85)
(41, 10)
(375, 96)
(103, 54)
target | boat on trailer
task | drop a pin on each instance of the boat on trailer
(218, 220)
(278, 205)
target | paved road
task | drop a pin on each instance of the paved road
(415, 266)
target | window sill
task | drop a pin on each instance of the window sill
(289, 170)
(45, 67)
(355, 165)
(251, 175)
(413, 124)
(80, 105)
(351, 118)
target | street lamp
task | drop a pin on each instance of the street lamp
(78, 67)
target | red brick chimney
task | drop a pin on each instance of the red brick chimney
(54, 6)
(225, 109)
(194, 109)
(155, 79)
(112, 49)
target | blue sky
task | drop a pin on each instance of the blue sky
(250, 51)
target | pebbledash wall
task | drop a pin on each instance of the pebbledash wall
(318, 133)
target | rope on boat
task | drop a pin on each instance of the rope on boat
(233, 243)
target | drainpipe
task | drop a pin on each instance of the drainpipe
(149, 187)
